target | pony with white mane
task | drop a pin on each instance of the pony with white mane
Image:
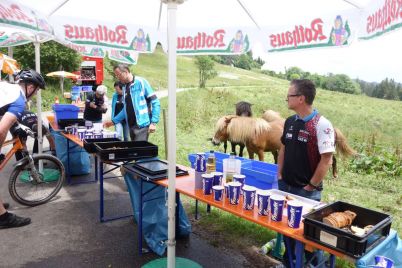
(257, 134)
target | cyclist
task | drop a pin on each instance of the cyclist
(12, 104)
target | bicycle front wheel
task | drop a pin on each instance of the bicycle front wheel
(37, 184)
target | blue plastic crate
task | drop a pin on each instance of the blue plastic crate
(219, 159)
(258, 174)
(86, 88)
(65, 111)
(75, 89)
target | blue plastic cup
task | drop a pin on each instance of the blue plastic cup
(218, 177)
(262, 200)
(240, 178)
(207, 181)
(383, 261)
(276, 203)
(226, 190)
(294, 213)
(218, 192)
(248, 197)
(234, 192)
(200, 162)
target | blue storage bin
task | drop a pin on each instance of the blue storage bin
(65, 111)
(219, 159)
(75, 89)
(86, 88)
(258, 174)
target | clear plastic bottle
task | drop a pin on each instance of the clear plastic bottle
(211, 162)
(265, 249)
(231, 168)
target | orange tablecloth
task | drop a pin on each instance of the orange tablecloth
(185, 185)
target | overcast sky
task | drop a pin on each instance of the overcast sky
(371, 60)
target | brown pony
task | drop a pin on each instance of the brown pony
(257, 134)
(342, 147)
(243, 108)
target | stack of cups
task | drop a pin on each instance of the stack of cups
(207, 181)
(295, 209)
(218, 177)
(276, 206)
(263, 200)
(200, 162)
(234, 192)
(248, 197)
(240, 178)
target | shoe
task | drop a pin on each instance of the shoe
(6, 205)
(14, 221)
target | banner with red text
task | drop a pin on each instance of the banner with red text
(219, 41)
(11, 39)
(15, 15)
(330, 30)
(102, 34)
(380, 17)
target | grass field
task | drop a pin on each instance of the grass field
(367, 122)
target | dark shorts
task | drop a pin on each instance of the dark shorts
(139, 134)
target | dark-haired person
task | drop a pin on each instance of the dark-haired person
(141, 105)
(117, 107)
(308, 142)
(12, 105)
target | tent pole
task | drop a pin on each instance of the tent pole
(10, 54)
(172, 36)
(39, 98)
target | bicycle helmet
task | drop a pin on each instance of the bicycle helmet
(31, 76)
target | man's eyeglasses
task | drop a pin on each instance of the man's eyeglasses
(294, 95)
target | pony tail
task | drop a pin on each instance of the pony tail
(342, 145)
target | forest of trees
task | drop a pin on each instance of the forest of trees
(386, 89)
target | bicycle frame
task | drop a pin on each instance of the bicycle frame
(18, 146)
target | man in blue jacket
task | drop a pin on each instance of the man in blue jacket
(141, 105)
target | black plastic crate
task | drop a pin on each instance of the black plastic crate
(343, 240)
(125, 150)
(89, 144)
(62, 123)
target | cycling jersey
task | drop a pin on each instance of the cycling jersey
(12, 99)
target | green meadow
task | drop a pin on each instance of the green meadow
(372, 126)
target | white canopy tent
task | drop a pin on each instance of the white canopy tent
(207, 13)
(20, 25)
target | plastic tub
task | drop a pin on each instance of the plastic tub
(65, 111)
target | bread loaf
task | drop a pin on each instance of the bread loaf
(340, 219)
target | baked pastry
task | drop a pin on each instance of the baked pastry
(340, 219)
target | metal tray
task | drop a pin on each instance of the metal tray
(125, 150)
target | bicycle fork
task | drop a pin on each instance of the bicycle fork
(34, 175)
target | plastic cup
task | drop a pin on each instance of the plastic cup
(226, 190)
(81, 133)
(234, 192)
(276, 207)
(218, 192)
(218, 177)
(263, 201)
(383, 261)
(200, 162)
(207, 180)
(294, 213)
(248, 197)
(240, 178)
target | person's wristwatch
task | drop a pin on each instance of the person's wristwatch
(316, 187)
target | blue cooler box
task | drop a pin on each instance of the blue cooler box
(258, 174)
(65, 111)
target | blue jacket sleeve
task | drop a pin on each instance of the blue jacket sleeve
(155, 103)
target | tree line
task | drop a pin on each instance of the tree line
(387, 89)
